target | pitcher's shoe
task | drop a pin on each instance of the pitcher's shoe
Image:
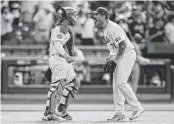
(136, 113)
(63, 115)
(118, 116)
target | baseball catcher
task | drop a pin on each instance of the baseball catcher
(64, 84)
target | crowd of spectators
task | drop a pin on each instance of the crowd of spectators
(144, 20)
(30, 22)
(25, 22)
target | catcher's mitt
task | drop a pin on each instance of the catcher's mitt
(48, 74)
(109, 67)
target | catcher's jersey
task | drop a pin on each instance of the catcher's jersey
(66, 39)
(114, 34)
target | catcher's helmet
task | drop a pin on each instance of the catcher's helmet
(66, 13)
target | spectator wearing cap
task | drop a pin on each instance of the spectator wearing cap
(169, 29)
(156, 33)
(136, 23)
(157, 10)
(15, 9)
(28, 9)
(125, 9)
(168, 7)
(122, 22)
(6, 23)
(43, 21)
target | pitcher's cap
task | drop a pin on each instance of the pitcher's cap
(101, 10)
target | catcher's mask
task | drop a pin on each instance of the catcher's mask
(66, 13)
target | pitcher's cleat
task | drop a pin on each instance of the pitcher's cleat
(117, 117)
(63, 115)
(136, 113)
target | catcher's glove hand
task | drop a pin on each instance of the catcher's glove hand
(110, 66)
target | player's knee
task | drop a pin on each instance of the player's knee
(76, 84)
(73, 85)
(52, 89)
(60, 88)
(51, 92)
(121, 85)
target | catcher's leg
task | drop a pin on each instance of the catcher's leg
(71, 88)
(53, 97)
(68, 95)
(73, 84)
(51, 102)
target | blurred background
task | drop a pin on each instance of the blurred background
(25, 33)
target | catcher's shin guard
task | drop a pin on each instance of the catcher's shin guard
(68, 94)
(53, 97)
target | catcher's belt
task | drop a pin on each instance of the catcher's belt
(109, 67)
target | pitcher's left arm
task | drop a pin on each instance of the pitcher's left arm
(118, 40)
(121, 48)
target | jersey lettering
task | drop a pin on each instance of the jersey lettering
(117, 39)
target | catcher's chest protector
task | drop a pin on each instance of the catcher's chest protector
(69, 44)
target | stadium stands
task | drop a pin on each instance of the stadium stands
(20, 48)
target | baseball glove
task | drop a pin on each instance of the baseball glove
(48, 74)
(109, 67)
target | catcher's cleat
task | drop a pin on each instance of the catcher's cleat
(63, 115)
(117, 117)
(49, 117)
(136, 113)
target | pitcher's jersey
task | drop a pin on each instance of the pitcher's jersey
(115, 34)
(66, 39)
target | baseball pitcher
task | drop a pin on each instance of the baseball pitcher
(123, 54)
(64, 84)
